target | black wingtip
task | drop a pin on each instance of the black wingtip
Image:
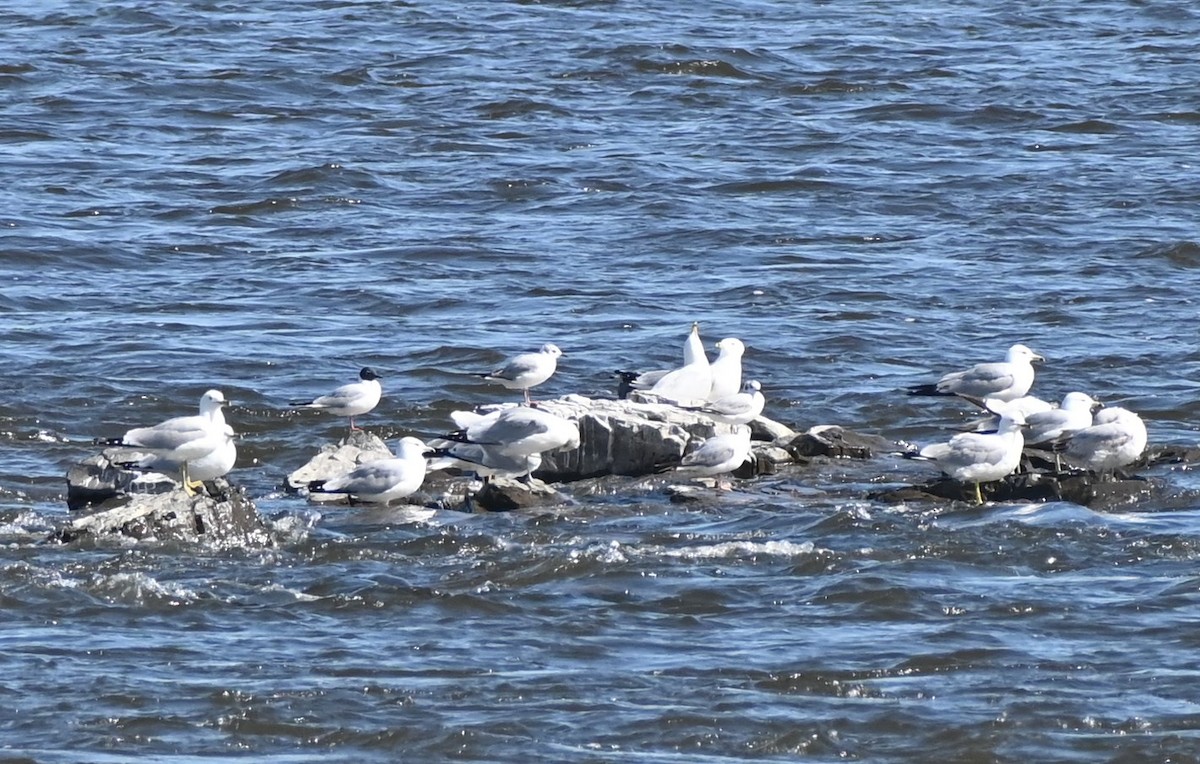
(930, 389)
(108, 442)
(316, 486)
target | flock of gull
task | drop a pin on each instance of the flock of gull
(510, 441)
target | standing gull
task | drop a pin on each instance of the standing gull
(1004, 380)
(181, 440)
(517, 432)
(486, 462)
(384, 480)
(527, 370)
(739, 408)
(350, 400)
(1047, 427)
(976, 457)
(727, 369)
(718, 455)
(692, 382)
(693, 351)
(216, 463)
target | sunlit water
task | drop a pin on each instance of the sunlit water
(264, 199)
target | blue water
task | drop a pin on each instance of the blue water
(265, 198)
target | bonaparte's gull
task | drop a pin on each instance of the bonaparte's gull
(384, 480)
(527, 370)
(350, 400)
(184, 439)
(976, 457)
(1004, 380)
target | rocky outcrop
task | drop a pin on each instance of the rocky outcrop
(334, 459)
(105, 499)
(630, 437)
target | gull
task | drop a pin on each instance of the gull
(527, 370)
(216, 463)
(516, 432)
(691, 382)
(693, 352)
(727, 369)
(181, 440)
(350, 400)
(1116, 438)
(1047, 427)
(485, 461)
(384, 480)
(1005, 380)
(740, 408)
(1026, 406)
(718, 454)
(976, 457)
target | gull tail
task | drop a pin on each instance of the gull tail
(109, 442)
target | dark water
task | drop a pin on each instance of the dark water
(265, 197)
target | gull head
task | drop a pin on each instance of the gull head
(1081, 402)
(731, 346)
(212, 401)
(1022, 353)
(367, 374)
(551, 350)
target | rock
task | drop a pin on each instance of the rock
(334, 459)
(832, 440)
(1085, 489)
(504, 494)
(106, 499)
(626, 437)
(228, 521)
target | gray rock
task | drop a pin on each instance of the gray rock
(104, 499)
(832, 440)
(1087, 490)
(334, 459)
(504, 494)
(627, 437)
(231, 521)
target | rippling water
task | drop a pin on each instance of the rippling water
(265, 198)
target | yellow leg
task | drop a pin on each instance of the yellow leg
(189, 486)
(978, 495)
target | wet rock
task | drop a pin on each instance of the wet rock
(105, 499)
(504, 494)
(835, 441)
(628, 437)
(334, 459)
(1085, 489)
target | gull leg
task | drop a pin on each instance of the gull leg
(978, 495)
(352, 427)
(189, 487)
(528, 400)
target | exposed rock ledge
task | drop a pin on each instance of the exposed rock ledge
(104, 499)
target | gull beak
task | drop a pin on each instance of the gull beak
(1037, 357)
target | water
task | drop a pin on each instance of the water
(265, 198)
